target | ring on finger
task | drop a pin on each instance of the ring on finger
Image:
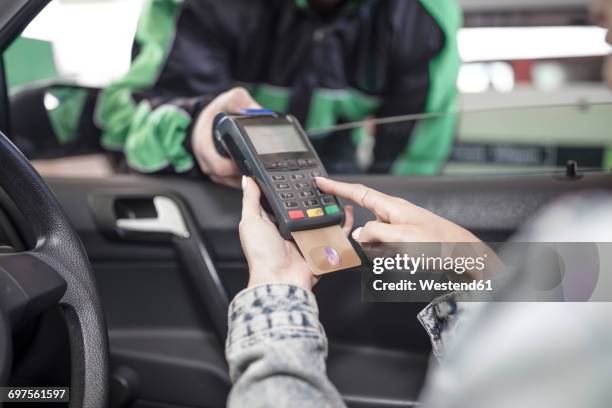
(365, 193)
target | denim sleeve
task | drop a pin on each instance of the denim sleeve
(444, 320)
(276, 350)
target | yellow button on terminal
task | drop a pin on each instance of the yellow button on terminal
(315, 212)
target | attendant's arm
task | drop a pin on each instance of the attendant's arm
(424, 64)
(160, 113)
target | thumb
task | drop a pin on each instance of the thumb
(250, 199)
(247, 101)
(240, 98)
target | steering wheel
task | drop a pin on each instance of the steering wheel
(56, 271)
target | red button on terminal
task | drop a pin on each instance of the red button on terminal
(296, 215)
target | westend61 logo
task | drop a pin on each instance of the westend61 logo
(509, 272)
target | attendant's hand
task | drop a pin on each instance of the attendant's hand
(397, 220)
(220, 169)
(271, 258)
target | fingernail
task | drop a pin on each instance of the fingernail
(244, 182)
(356, 234)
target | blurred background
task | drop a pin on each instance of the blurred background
(533, 80)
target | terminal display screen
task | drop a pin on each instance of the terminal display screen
(274, 139)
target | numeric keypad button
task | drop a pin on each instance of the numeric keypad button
(328, 200)
(287, 196)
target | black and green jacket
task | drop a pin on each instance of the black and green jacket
(372, 58)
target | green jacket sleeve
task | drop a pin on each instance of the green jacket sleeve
(432, 139)
(148, 113)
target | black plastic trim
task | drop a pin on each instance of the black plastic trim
(5, 123)
(19, 14)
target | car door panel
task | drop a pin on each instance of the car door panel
(161, 330)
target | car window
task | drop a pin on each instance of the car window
(77, 47)
(514, 140)
(531, 97)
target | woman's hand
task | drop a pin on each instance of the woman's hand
(397, 220)
(271, 258)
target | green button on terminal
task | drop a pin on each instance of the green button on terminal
(332, 209)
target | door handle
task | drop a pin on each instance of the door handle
(168, 220)
(160, 217)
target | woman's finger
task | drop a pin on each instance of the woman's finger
(385, 207)
(375, 231)
(251, 208)
(349, 219)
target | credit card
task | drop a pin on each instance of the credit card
(326, 249)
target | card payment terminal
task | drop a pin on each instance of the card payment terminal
(274, 150)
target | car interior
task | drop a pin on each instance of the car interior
(118, 286)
